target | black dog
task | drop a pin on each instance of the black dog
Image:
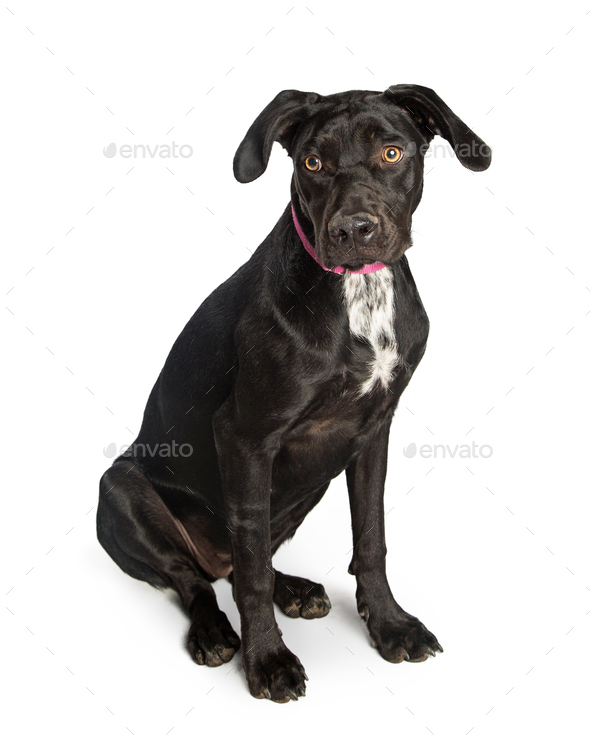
(287, 375)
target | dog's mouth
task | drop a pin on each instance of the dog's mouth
(355, 265)
(387, 255)
(358, 243)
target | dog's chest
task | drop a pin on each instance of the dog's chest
(370, 303)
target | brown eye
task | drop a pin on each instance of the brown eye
(313, 163)
(391, 154)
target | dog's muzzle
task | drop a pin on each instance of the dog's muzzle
(353, 231)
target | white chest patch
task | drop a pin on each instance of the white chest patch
(369, 299)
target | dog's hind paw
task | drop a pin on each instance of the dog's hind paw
(212, 642)
(299, 597)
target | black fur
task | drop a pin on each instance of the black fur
(260, 392)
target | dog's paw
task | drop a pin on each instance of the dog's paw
(404, 639)
(212, 642)
(278, 676)
(299, 597)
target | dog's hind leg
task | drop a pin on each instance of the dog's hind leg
(142, 536)
(296, 596)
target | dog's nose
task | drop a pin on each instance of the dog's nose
(356, 230)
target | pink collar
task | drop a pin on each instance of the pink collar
(367, 269)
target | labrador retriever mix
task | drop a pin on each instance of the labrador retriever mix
(287, 375)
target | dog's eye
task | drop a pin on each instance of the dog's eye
(313, 163)
(391, 154)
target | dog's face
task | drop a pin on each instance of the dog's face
(358, 164)
(358, 180)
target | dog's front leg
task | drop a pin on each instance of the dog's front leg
(273, 672)
(396, 634)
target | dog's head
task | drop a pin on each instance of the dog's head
(358, 164)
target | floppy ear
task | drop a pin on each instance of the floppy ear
(434, 117)
(277, 122)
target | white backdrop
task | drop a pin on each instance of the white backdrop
(105, 259)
